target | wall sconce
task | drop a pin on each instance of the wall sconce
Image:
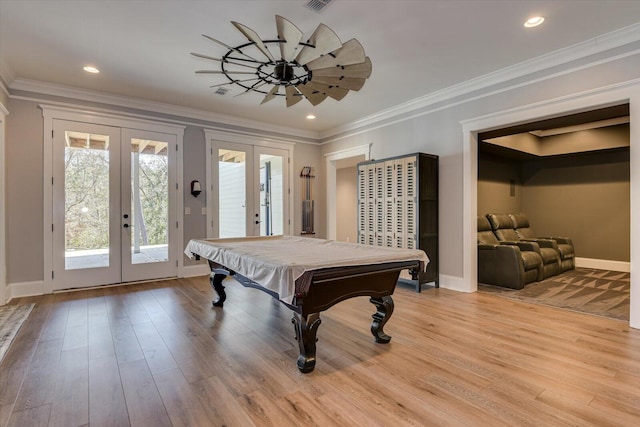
(195, 188)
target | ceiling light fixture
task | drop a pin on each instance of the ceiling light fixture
(534, 21)
(316, 69)
(311, 116)
(91, 69)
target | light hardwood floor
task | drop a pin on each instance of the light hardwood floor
(158, 354)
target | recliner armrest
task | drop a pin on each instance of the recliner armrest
(544, 243)
(524, 245)
(561, 240)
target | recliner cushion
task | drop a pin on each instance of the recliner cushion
(549, 255)
(531, 260)
(500, 221)
(566, 251)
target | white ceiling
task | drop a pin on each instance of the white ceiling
(142, 47)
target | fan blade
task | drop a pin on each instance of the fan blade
(350, 53)
(252, 88)
(253, 37)
(334, 92)
(293, 97)
(314, 96)
(234, 81)
(235, 49)
(290, 36)
(272, 94)
(226, 61)
(223, 72)
(199, 55)
(361, 71)
(324, 40)
(345, 83)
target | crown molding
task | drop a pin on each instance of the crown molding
(562, 56)
(52, 89)
(6, 76)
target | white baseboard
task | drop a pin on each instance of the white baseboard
(25, 289)
(603, 264)
(195, 270)
(453, 283)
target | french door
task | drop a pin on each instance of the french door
(250, 190)
(113, 205)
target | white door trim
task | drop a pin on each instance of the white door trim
(598, 98)
(331, 160)
(51, 112)
(3, 236)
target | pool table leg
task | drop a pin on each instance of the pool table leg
(306, 329)
(216, 283)
(384, 311)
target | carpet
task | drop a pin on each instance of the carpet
(11, 319)
(599, 292)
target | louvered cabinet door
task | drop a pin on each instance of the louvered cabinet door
(399, 223)
(379, 204)
(389, 204)
(371, 205)
(410, 198)
(362, 205)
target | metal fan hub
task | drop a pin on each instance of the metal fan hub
(283, 72)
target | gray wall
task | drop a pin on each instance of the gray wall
(437, 129)
(24, 157)
(346, 202)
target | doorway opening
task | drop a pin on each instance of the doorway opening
(611, 96)
(345, 161)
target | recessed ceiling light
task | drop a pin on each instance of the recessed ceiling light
(91, 69)
(311, 117)
(534, 21)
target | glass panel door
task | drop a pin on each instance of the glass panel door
(147, 197)
(272, 181)
(86, 209)
(250, 194)
(232, 195)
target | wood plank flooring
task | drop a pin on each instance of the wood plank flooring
(158, 354)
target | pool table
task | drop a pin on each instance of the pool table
(309, 275)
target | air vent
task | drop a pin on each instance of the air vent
(317, 5)
(221, 91)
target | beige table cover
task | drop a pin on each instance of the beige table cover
(275, 262)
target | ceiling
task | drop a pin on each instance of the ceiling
(143, 47)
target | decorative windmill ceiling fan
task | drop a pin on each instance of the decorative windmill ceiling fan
(316, 69)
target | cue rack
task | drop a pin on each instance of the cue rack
(306, 174)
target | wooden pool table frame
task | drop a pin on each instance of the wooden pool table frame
(318, 290)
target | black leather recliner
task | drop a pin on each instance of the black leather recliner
(565, 245)
(506, 264)
(504, 229)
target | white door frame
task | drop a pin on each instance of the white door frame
(628, 92)
(331, 160)
(211, 137)
(3, 179)
(51, 112)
